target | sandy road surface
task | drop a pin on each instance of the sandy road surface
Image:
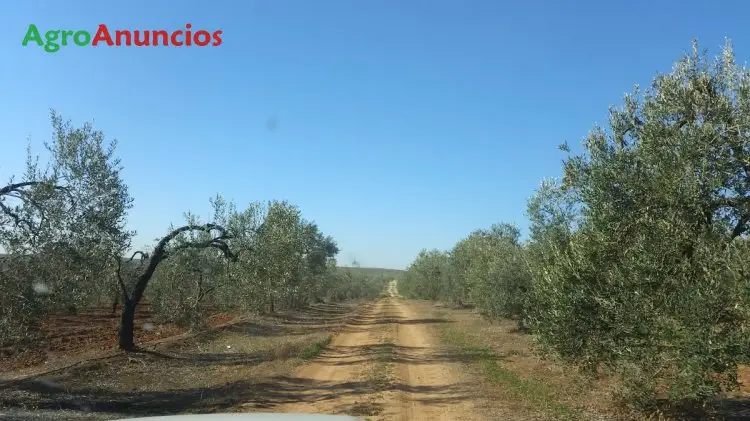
(386, 365)
(435, 390)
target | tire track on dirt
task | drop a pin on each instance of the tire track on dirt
(335, 382)
(434, 389)
(424, 385)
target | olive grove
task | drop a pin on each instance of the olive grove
(59, 225)
(64, 240)
(637, 260)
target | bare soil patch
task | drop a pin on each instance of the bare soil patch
(95, 329)
(387, 364)
(211, 371)
(392, 359)
(515, 382)
(522, 385)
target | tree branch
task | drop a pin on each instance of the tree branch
(161, 253)
(741, 226)
(15, 190)
(16, 187)
(16, 218)
(119, 276)
(143, 255)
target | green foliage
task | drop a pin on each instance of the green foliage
(390, 274)
(284, 261)
(186, 282)
(652, 283)
(315, 348)
(63, 229)
(495, 271)
(535, 394)
(20, 305)
(487, 269)
(428, 276)
(637, 262)
(351, 283)
(61, 226)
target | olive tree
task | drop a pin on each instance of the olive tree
(59, 225)
(183, 286)
(178, 240)
(314, 253)
(488, 269)
(427, 275)
(652, 282)
(244, 288)
(497, 272)
(278, 254)
(552, 310)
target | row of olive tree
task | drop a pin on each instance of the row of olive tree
(637, 262)
(282, 261)
(63, 234)
(487, 269)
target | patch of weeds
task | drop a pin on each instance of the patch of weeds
(440, 314)
(360, 409)
(529, 391)
(513, 353)
(378, 374)
(380, 371)
(315, 348)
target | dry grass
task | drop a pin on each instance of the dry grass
(378, 376)
(217, 371)
(515, 375)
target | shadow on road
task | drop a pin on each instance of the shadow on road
(352, 355)
(263, 395)
(210, 358)
(318, 314)
(366, 321)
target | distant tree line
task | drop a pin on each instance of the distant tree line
(637, 263)
(64, 237)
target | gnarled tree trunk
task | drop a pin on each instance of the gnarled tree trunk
(127, 326)
(126, 338)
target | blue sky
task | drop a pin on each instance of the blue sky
(401, 124)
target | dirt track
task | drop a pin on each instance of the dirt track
(384, 363)
(385, 366)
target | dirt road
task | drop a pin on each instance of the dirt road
(387, 365)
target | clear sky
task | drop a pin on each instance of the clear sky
(400, 124)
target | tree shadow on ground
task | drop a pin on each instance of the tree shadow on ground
(266, 394)
(317, 314)
(257, 329)
(366, 321)
(210, 358)
(413, 355)
(388, 315)
(246, 328)
(736, 409)
(725, 409)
